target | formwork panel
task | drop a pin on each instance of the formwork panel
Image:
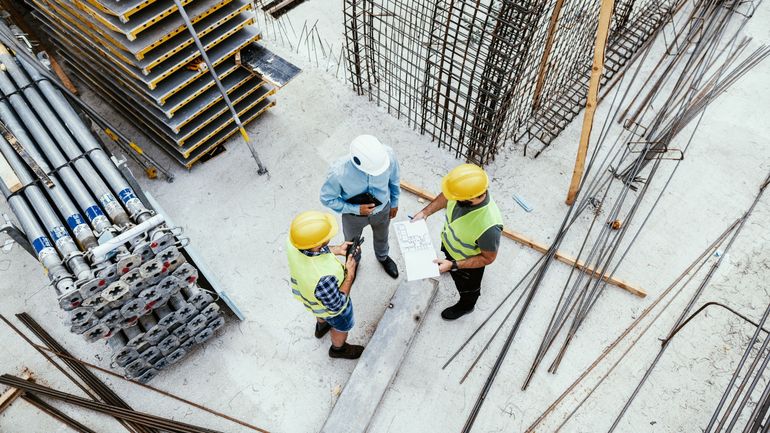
(124, 9)
(141, 58)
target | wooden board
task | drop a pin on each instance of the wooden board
(592, 98)
(8, 176)
(12, 394)
(382, 358)
(541, 248)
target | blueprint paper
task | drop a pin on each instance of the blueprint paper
(417, 249)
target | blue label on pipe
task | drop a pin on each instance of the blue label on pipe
(75, 220)
(41, 243)
(58, 233)
(126, 195)
(93, 212)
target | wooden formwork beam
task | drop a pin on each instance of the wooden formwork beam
(524, 240)
(543, 69)
(602, 30)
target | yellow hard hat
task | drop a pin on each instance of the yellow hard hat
(312, 229)
(465, 182)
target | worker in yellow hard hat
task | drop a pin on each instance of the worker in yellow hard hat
(471, 235)
(320, 281)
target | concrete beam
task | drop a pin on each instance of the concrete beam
(382, 358)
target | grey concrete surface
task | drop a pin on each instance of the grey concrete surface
(381, 361)
(271, 371)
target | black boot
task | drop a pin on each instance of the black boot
(390, 267)
(321, 328)
(465, 305)
(347, 351)
(456, 311)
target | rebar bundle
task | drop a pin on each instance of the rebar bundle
(727, 416)
(117, 268)
(140, 57)
(475, 75)
(614, 207)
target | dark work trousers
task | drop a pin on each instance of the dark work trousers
(468, 283)
(353, 225)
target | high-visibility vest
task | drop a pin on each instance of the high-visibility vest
(460, 235)
(305, 273)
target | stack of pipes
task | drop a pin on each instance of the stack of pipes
(116, 267)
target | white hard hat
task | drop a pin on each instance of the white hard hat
(369, 155)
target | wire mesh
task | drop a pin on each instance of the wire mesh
(476, 75)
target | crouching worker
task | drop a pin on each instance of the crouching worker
(320, 281)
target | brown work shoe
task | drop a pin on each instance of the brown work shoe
(347, 351)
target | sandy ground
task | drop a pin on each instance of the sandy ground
(269, 369)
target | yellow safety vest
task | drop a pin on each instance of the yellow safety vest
(305, 273)
(459, 236)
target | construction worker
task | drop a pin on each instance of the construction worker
(471, 234)
(364, 188)
(320, 281)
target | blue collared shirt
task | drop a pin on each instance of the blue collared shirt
(345, 181)
(328, 288)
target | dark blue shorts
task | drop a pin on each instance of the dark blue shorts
(342, 322)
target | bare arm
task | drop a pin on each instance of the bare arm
(478, 261)
(437, 204)
(481, 260)
(350, 266)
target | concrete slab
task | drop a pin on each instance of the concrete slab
(382, 358)
(271, 371)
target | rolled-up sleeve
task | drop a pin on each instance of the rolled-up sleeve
(331, 194)
(395, 180)
(328, 292)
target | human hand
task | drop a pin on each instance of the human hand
(393, 212)
(350, 265)
(366, 209)
(341, 249)
(419, 216)
(443, 265)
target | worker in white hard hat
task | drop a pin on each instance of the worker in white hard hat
(364, 187)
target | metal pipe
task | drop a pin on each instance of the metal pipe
(10, 38)
(100, 252)
(94, 181)
(91, 146)
(81, 133)
(62, 281)
(45, 144)
(51, 221)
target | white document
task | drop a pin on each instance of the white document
(417, 249)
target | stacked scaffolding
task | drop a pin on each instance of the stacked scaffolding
(117, 269)
(477, 74)
(140, 56)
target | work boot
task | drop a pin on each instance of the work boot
(321, 328)
(390, 267)
(455, 311)
(347, 351)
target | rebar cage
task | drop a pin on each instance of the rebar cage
(477, 74)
